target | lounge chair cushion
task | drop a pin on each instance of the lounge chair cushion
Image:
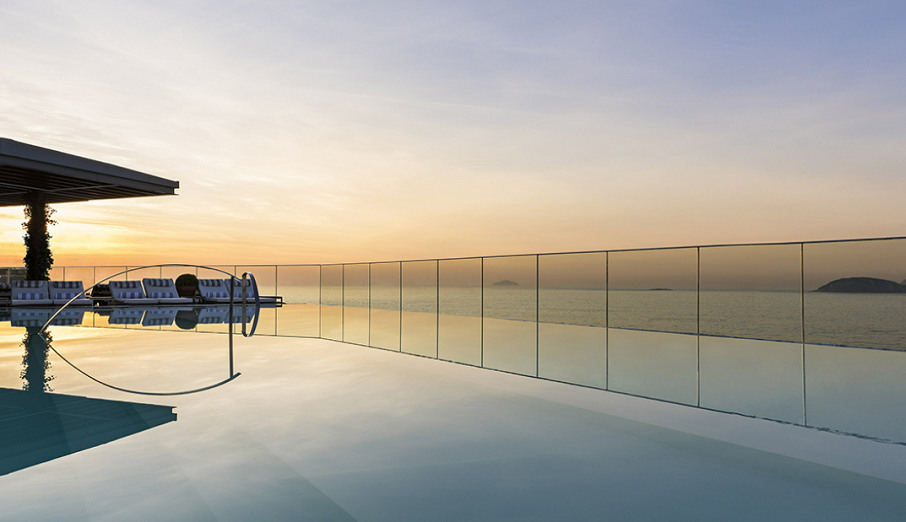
(164, 291)
(61, 292)
(213, 290)
(129, 292)
(30, 293)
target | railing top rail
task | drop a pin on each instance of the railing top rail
(549, 253)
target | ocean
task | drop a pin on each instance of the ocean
(859, 320)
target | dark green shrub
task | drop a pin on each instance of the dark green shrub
(186, 285)
(187, 280)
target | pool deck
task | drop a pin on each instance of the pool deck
(321, 430)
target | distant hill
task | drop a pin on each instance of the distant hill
(505, 282)
(863, 285)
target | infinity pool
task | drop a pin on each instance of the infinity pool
(313, 429)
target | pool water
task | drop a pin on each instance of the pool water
(313, 429)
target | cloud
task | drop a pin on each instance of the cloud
(408, 128)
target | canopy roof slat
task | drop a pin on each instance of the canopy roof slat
(64, 177)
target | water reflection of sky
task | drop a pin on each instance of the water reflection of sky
(320, 430)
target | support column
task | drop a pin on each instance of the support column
(38, 258)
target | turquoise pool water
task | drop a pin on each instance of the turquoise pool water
(314, 429)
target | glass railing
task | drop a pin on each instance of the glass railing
(810, 333)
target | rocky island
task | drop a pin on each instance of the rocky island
(863, 285)
(505, 282)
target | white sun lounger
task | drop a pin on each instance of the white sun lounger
(62, 291)
(30, 293)
(130, 293)
(213, 291)
(164, 290)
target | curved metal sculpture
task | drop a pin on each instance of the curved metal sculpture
(247, 280)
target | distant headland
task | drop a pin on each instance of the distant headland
(864, 285)
(505, 282)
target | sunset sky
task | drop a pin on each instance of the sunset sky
(359, 131)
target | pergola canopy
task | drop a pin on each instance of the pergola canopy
(64, 177)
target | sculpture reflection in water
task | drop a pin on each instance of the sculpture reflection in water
(37, 426)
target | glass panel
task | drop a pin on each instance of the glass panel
(572, 304)
(137, 274)
(856, 390)
(57, 273)
(300, 320)
(459, 320)
(299, 284)
(419, 317)
(653, 290)
(212, 318)
(385, 305)
(759, 378)
(267, 320)
(751, 291)
(265, 277)
(355, 304)
(9, 273)
(332, 302)
(510, 312)
(854, 293)
(104, 272)
(120, 316)
(217, 271)
(173, 272)
(89, 318)
(653, 364)
(85, 274)
(214, 272)
(301, 291)
(184, 318)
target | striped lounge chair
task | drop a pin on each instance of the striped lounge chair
(62, 291)
(164, 291)
(213, 291)
(129, 293)
(30, 293)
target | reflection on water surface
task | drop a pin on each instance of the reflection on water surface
(338, 432)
